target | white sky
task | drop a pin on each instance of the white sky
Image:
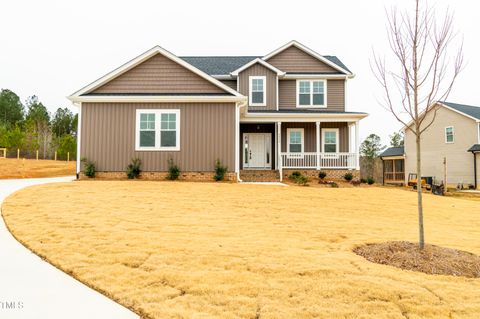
(52, 48)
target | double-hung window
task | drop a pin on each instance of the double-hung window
(311, 93)
(449, 134)
(257, 96)
(330, 140)
(157, 130)
(295, 140)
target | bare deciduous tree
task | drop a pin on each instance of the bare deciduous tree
(424, 72)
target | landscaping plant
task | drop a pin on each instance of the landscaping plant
(322, 175)
(220, 171)
(348, 177)
(298, 178)
(89, 168)
(133, 169)
(370, 181)
(173, 170)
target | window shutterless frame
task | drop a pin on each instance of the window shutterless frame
(449, 132)
(254, 88)
(145, 123)
(312, 86)
(324, 140)
(302, 139)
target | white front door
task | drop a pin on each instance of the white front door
(257, 150)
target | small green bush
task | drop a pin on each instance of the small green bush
(363, 180)
(322, 175)
(133, 169)
(295, 175)
(370, 181)
(298, 178)
(173, 170)
(220, 171)
(348, 177)
(334, 185)
(88, 167)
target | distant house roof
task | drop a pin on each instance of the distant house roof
(472, 111)
(393, 151)
(475, 148)
(224, 65)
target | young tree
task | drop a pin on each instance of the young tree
(423, 72)
(11, 109)
(62, 122)
(38, 125)
(370, 148)
(396, 139)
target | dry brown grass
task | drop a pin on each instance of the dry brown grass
(30, 168)
(205, 250)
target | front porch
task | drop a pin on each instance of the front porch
(292, 145)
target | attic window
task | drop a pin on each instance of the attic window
(257, 94)
(449, 135)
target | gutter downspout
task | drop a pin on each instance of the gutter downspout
(475, 169)
(79, 139)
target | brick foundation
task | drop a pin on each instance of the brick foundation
(332, 174)
(186, 176)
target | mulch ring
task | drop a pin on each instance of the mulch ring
(431, 260)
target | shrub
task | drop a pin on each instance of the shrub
(298, 178)
(334, 185)
(370, 181)
(322, 175)
(348, 177)
(363, 180)
(173, 170)
(220, 171)
(133, 169)
(89, 168)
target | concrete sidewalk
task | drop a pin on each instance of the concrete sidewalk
(32, 288)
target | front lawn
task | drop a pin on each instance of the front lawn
(205, 250)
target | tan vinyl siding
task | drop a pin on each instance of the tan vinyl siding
(230, 83)
(434, 148)
(159, 75)
(335, 95)
(207, 132)
(271, 85)
(310, 134)
(294, 60)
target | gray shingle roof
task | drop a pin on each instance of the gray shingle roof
(224, 65)
(393, 151)
(473, 111)
(474, 148)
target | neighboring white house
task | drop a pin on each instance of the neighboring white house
(453, 136)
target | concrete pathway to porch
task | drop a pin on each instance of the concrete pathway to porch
(31, 288)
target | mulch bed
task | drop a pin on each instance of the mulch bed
(432, 260)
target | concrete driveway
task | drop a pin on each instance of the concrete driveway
(32, 288)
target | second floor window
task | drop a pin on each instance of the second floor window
(311, 93)
(257, 91)
(449, 134)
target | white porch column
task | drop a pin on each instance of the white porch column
(357, 143)
(279, 149)
(318, 143)
(79, 139)
(237, 141)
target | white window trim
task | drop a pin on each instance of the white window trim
(302, 136)
(158, 113)
(336, 130)
(453, 135)
(250, 81)
(311, 93)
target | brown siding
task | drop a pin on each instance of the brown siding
(310, 134)
(159, 75)
(293, 59)
(287, 98)
(207, 132)
(271, 86)
(230, 83)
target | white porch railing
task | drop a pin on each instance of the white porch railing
(315, 160)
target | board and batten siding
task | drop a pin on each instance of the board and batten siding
(293, 60)
(159, 74)
(335, 95)
(271, 85)
(310, 134)
(207, 133)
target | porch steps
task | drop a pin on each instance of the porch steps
(259, 175)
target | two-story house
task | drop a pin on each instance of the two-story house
(263, 114)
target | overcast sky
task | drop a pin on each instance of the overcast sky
(52, 48)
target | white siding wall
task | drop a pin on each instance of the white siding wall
(434, 148)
